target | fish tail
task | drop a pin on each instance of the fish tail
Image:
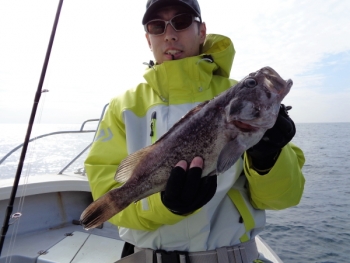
(101, 210)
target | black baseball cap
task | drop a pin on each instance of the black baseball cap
(153, 5)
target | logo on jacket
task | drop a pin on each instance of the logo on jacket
(104, 135)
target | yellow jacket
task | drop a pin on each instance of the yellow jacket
(143, 114)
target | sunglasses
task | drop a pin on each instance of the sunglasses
(178, 22)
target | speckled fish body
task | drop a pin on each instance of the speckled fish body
(218, 130)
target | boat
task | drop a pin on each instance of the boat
(41, 213)
(44, 226)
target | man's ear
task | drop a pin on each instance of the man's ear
(202, 32)
(148, 41)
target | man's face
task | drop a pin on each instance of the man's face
(172, 44)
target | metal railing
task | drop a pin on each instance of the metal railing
(81, 130)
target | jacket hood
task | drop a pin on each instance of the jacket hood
(216, 58)
(222, 50)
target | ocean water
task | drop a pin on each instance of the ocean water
(316, 230)
(45, 155)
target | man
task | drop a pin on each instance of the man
(226, 212)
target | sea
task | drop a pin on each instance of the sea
(316, 230)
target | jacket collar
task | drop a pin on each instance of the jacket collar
(191, 75)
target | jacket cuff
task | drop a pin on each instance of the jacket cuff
(282, 186)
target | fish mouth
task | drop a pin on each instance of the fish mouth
(244, 127)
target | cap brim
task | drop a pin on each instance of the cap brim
(160, 4)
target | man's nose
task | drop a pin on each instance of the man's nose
(170, 33)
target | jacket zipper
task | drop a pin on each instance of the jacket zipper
(153, 133)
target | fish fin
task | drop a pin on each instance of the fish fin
(127, 166)
(102, 209)
(229, 155)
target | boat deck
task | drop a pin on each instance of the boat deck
(48, 228)
(68, 244)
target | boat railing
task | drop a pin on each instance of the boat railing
(81, 130)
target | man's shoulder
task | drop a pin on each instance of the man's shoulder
(136, 99)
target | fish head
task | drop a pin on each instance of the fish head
(255, 101)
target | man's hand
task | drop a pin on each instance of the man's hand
(186, 191)
(264, 154)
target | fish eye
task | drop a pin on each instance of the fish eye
(250, 83)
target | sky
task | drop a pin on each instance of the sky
(99, 50)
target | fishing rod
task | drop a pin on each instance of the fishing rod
(29, 130)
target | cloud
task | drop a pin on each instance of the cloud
(303, 40)
(99, 49)
(292, 35)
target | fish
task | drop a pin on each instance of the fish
(219, 130)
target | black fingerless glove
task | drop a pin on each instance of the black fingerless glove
(186, 192)
(264, 154)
